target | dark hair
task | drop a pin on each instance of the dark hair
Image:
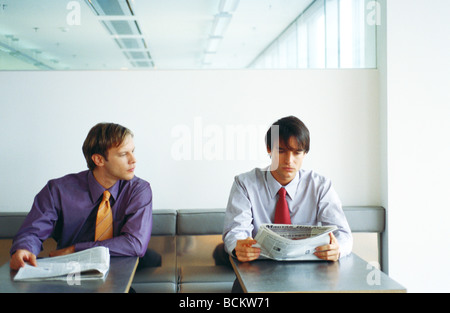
(287, 127)
(102, 137)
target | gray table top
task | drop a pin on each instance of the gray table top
(349, 274)
(118, 280)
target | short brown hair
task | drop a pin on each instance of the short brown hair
(102, 137)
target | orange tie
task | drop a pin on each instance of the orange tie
(104, 224)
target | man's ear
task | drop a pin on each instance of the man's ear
(98, 159)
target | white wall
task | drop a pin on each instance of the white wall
(45, 117)
(418, 143)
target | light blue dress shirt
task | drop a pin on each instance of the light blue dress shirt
(311, 198)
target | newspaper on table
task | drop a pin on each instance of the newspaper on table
(292, 242)
(88, 264)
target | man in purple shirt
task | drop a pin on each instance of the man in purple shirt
(66, 208)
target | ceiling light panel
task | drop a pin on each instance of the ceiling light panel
(118, 18)
(144, 64)
(111, 7)
(220, 24)
(121, 28)
(137, 55)
(213, 44)
(228, 5)
(131, 43)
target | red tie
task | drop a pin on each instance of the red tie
(282, 215)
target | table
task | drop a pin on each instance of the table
(118, 280)
(349, 274)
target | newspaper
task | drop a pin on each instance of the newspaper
(292, 242)
(87, 264)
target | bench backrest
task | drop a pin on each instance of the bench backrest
(171, 222)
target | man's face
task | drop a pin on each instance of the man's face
(120, 163)
(286, 162)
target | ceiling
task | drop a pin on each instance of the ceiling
(139, 34)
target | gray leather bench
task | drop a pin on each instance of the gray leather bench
(186, 240)
(182, 251)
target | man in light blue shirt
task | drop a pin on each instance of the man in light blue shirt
(311, 197)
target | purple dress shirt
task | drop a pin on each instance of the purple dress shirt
(66, 209)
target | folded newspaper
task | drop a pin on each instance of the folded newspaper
(87, 264)
(292, 242)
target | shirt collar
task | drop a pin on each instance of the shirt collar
(274, 185)
(97, 190)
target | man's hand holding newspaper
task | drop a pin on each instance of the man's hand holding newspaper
(329, 252)
(244, 250)
(290, 243)
(91, 263)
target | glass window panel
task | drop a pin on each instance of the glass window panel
(316, 35)
(302, 46)
(332, 33)
(371, 15)
(288, 48)
(346, 28)
(329, 34)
